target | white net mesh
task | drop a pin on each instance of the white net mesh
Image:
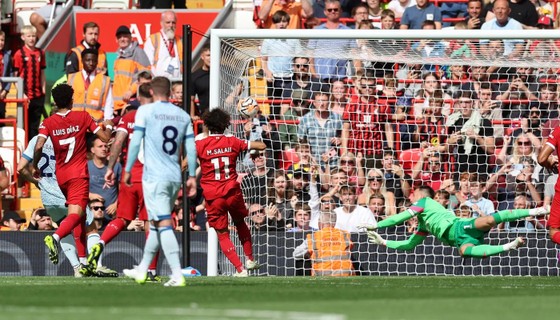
(382, 117)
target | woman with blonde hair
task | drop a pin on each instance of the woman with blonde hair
(376, 185)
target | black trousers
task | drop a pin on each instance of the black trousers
(34, 112)
(163, 4)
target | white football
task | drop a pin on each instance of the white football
(247, 107)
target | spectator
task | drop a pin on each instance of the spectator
(97, 208)
(431, 132)
(163, 4)
(480, 205)
(414, 16)
(376, 185)
(549, 189)
(376, 205)
(449, 190)
(471, 138)
(462, 48)
(264, 219)
(531, 122)
(255, 182)
(399, 6)
(201, 86)
(548, 100)
(388, 19)
(300, 181)
(92, 90)
(41, 220)
(524, 12)
(329, 249)
(278, 69)
(90, 41)
(324, 204)
(474, 18)
(502, 21)
(301, 80)
(130, 60)
(429, 48)
(431, 88)
(490, 109)
(302, 218)
(11, 221)
(431, 173)
(346, 7)
(5, 71)
(396, 180)
(30, 65)
(452, 10)
(410, 74)
(522, 86)
(464, 212)
(350, 216)
(352, 166)
(523, 147)
(296, 11)
(321, 129)
(366, 128)
(164, 49)
(97, 166)
(339, 97)
(288, 132)
(177, 93)
(328, 69)
(360, 13)
(41, 17)
(374, 12)
(280, 194)
(530, 224)
(444, 198)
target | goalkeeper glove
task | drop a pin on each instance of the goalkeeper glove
(374, 237)
(367, 227)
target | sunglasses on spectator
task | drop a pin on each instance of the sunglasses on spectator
(374, 178)
(302, 65)
(258, 211)
(332, 10)
(434, 163)
(523, 143)
(96, 208)
(347, 162)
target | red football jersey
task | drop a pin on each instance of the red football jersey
(68, 134)
(218, 157)
(554, 141)
(126, 124)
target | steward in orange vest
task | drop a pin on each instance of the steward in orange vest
(165, 49)
(92, 92)
(328, 248)
(131, 60)
(74, 57)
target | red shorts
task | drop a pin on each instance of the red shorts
(217, 209)
(76, 192)
(131, 202)
(554, 218)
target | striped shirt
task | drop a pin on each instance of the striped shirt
(29, 63)
(367, 126)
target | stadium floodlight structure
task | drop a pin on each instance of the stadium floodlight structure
(384, 54)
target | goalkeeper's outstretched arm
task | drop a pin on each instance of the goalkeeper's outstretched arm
(396, 219)
(408, 244)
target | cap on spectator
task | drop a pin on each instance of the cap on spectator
(300, 174)
(12, 215)
(545, 21)
(41, 212)
(123, 30)
(300, 95)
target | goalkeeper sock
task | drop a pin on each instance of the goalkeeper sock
(510, 215)
(229, 250)
(483, 251)
(171, 250)
(245, 238)
(112, 230)
(69, 248)
(556, 237)
(150, 249)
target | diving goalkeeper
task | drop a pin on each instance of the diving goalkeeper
(465, 234)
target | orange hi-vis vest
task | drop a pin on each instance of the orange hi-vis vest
(101, 57)
(92, 100)
(124, 72)
(330, 252)
(155, 41)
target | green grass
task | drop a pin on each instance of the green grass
(471, 298)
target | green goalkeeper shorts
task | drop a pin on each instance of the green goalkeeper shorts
(463, 232)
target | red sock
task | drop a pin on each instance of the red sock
(153, 264)
(80, 238)
(112, 230)
(67, 225)
(245, 237)
(556, 237)
(229, 250)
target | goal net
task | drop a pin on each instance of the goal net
(356, 120)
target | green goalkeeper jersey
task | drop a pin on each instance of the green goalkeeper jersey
(433, 217)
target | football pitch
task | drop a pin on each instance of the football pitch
(282, 298)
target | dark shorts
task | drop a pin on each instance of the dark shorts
(76, 192)
(217, 209)
(131, 202)
(463, 232)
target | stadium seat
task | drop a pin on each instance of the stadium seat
(7, 138)
(110, 4)
(7, 155)
(408, 159)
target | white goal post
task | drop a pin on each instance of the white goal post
(517, 86)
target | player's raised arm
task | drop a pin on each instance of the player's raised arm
(190, 147)
(408, 244)
(116, 149)
(37, 156)
(257, 145)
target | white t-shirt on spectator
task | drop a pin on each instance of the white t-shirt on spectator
(350, 221)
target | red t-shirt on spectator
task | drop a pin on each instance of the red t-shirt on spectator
(68, 134)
